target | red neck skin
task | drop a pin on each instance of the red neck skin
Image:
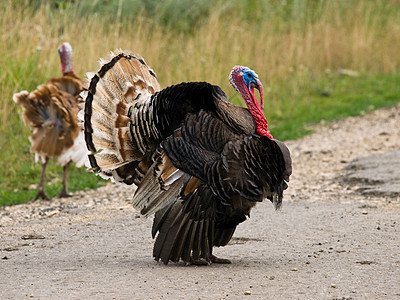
(258, 114)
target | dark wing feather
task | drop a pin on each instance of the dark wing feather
(230, 164)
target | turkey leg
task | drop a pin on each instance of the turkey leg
(64, 192)
(40, 192)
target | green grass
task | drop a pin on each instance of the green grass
(22, 187)
(296, 47)
(348, 96)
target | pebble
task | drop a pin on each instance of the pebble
(247, 293)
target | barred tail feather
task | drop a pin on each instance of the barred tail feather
(109, 126)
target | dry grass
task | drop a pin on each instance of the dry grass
(364, 37)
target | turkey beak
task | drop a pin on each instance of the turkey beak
(257, 84)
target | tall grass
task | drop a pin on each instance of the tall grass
(295, 46)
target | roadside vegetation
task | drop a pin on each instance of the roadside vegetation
(317, 60)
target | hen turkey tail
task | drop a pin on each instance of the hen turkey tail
(50, 113)
(117, 95)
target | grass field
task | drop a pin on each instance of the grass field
(296, 47)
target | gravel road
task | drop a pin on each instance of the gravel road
(337, 235)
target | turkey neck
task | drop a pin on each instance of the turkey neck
(258, 114)
(66, 63)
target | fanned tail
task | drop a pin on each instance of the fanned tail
(117, 94)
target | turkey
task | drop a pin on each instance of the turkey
(51, 111)
(200, 163)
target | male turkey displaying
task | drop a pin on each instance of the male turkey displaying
(51, 111)
(200, 162)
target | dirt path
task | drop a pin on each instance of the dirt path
(333, 239)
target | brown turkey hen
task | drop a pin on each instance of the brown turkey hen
(51, 111)
(200, 162)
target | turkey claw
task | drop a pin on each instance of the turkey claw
(197, 262)
(217, 260)
(41, 194)
(205, 262)
(64, 194)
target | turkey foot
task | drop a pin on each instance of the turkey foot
(64, 194)
(41, 194)
(217, 260)
(203, 262)
(197, 262)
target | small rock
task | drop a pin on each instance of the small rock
(364, 212)
(10, 249)
(333, 285)
(32, 187)
(272, 277)
(247, 293)
(32, 236)
(295, 269)
(53, 213)
(366, 262)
